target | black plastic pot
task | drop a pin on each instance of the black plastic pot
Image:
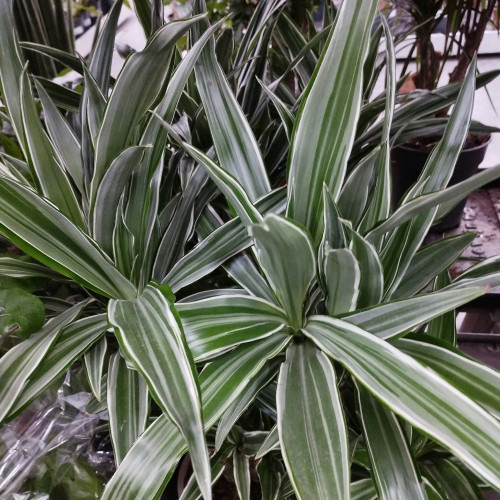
(407, 164)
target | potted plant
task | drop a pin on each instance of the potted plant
(288, 364)
(463, 24)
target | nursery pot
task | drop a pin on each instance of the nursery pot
(407, 163)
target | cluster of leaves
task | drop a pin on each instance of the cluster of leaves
(310, 342)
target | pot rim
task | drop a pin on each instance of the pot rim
(419, 150)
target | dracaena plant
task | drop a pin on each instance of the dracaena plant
(327, 363)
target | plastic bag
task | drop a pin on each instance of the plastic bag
(54, 449)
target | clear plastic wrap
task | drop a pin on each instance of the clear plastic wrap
(54, 450)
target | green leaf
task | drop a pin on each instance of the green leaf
(111, 188)
(102, 52)
(270, 472)
(290, 278)
(355, 193)
(485, 273)
(430, 261)
(94, 364)
(226, 377)
(444, 326)
(380, 203)
(272, 442)
(36, 227)
(228, 185)
(326, 124)
(218, 464)
(48, 174)
(11, 68)
(371, 284)
(18, 364)
(128, 406)
(16, 268)
(173, 240)
(20, 312)
(414, 392)
(311, 425)
(233, 139)
(63, 138)
(392, 318)
(406, 240)
(452, 194)
(93, 108)
(453, 481)
(61, 56)
(151, 337)
(241, 471)
(135, 90)
(342, 275)
(147, 467)
(218, 245)
(217, 324)
(73, 341)
(393, 465)
(286, 115)
(243, 401)
(364, 489)
(479, 382)
(143, 12)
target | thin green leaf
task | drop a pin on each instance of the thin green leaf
(272, 442)
(102, 52)
(11, 68)
(432, 405)
(61, 56)
(311, 425)
(217, 324)
(380, 203)
(444, 326)
(233, 138)
(243, 401)
(270, 472)
(94, 364)
(453, 482)
(136, 88)
(241, 472)
(36, 227)
(18, 364)
(108, 194)
(151, 337)
(228, 185)
(48, 174)
(286, 115)
(128, 406)
(393, 318)
(393, 465)
(218, 245)
(15, 268)
(290, 278)
(452, 194)
(430, 261)
(342, 276)
(479, 382)
(371, 283)
(326, 124)
(73, 341)
(63, 138)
